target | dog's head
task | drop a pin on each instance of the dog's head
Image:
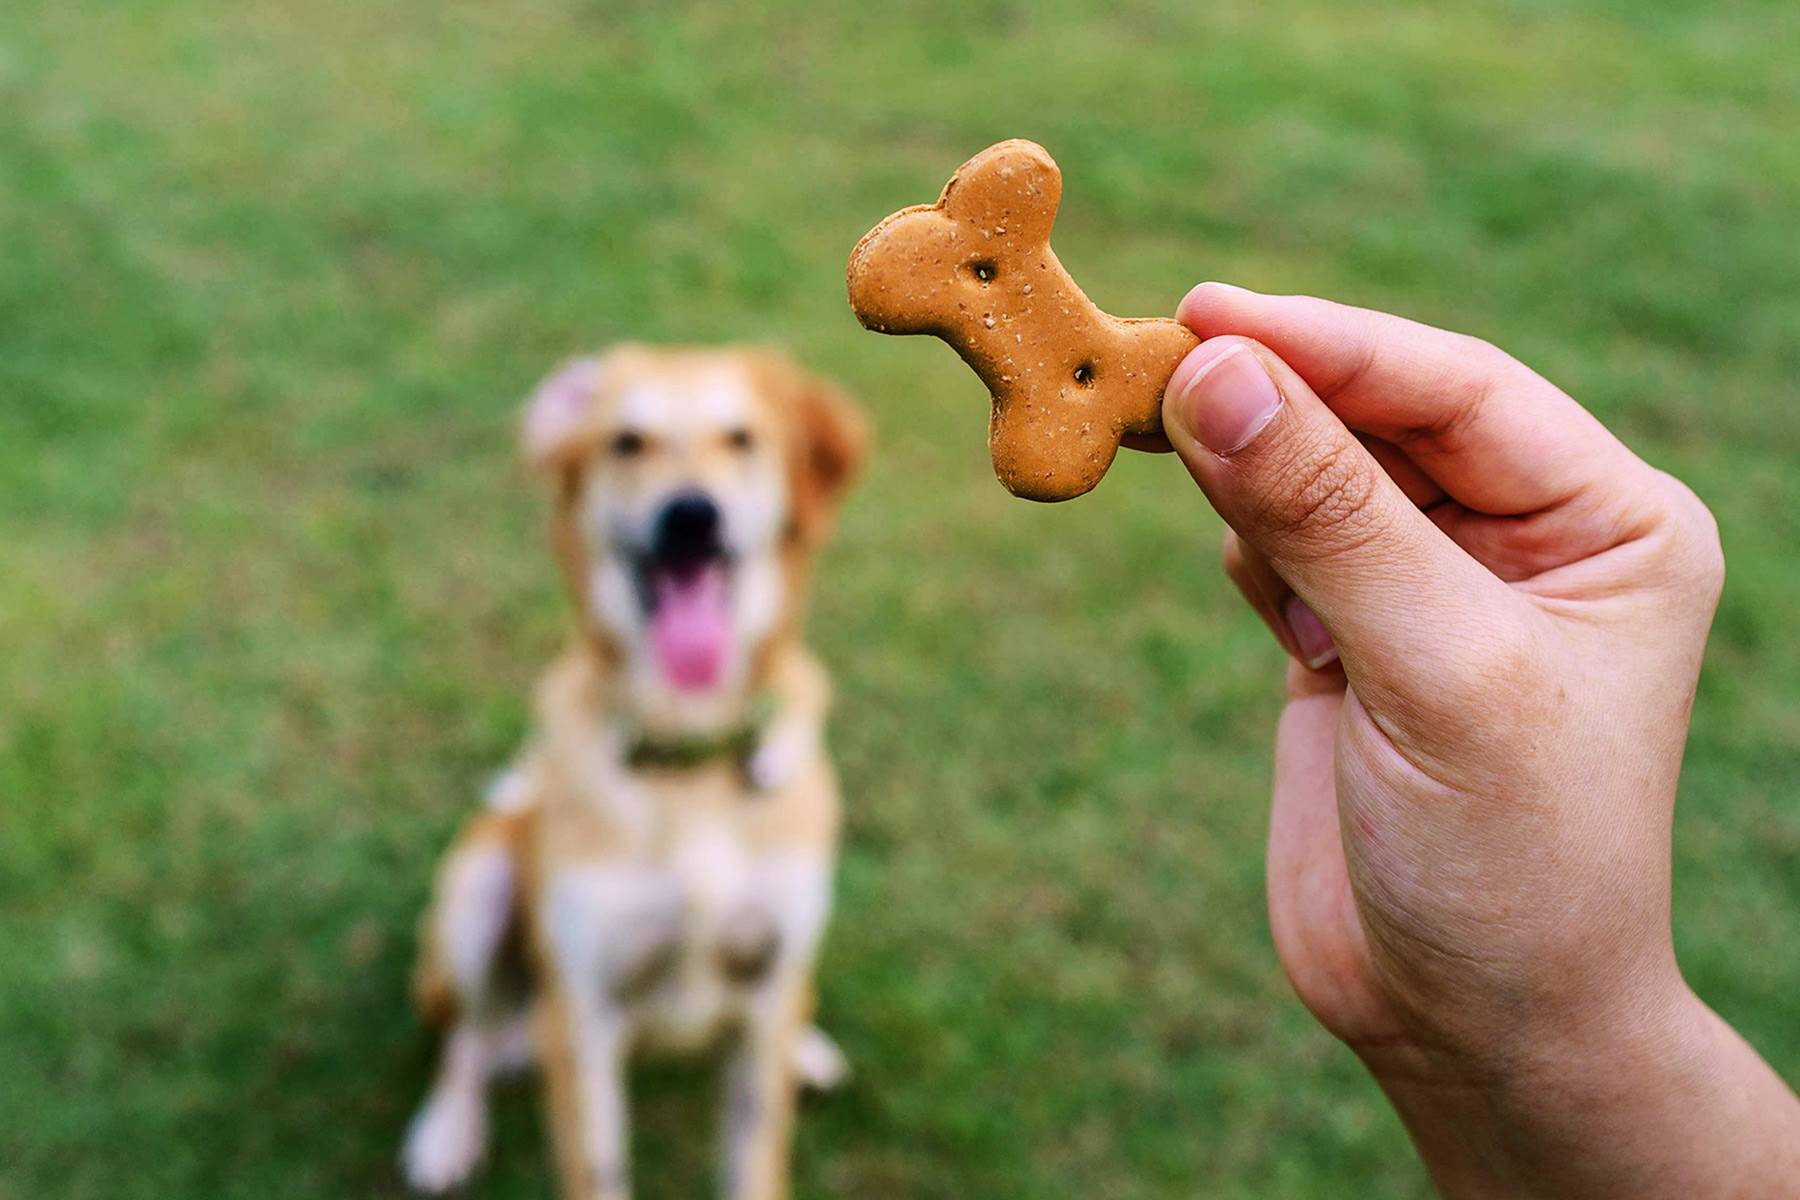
(692, 487)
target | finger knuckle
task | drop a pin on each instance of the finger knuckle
(1482, 359)
(1690, 537)
(1480, 353)
(1327, 502)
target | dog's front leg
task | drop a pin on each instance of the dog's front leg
(760, 1091)
(473, 907)
(583, 1047)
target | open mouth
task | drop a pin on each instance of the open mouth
(684, 586)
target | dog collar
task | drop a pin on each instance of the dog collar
(648, 752)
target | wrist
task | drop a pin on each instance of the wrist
(1554, 1107)
(1538, 1041)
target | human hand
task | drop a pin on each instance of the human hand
(1497, 613)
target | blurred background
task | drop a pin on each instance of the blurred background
(272, 588)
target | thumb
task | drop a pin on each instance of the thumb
(1299, 488)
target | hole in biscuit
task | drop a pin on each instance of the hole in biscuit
(1084, 374)
(985, 270)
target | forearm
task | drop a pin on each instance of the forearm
(1682, 1108)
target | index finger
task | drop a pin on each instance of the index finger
(1495, 435)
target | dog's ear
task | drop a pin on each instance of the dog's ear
(831, 440)
(556, 424)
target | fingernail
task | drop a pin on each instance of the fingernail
(1225, 397)
(1310, 636)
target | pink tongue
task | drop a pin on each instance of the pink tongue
(688, 629)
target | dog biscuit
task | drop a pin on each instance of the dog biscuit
(976, 269)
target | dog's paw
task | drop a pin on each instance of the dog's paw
(819, 1064)
(445, 1142)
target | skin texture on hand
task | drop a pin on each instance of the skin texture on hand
(1496, 613)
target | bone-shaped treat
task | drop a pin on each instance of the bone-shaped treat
(976, 269)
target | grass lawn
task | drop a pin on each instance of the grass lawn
(276, 275)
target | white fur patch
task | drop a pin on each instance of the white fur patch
(581, 906)
(449, 1135)
(785, 751)
(614, 598)
(477, 904)
(798, 888)
(711, 864)
(605, 923)
(758, 597)
(818, 1063)
(509, 792)
(722, 399)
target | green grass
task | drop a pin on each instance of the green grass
(272, 591)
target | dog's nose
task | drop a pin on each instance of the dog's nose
(687, 529)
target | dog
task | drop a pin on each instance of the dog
(653, 872)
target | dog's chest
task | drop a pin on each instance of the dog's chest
(688, 926)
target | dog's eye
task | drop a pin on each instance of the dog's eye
(984, 270)
(740, 439)
(628, 444)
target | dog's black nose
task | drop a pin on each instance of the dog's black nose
(687, 530)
